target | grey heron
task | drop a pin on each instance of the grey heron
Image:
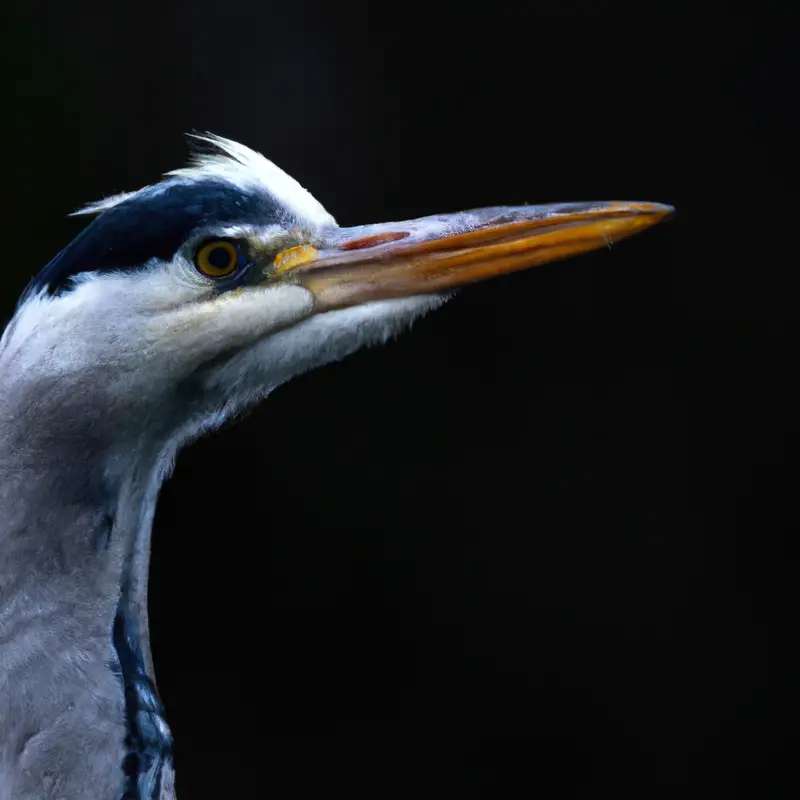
(178, 305)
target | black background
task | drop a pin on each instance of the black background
(538, 545)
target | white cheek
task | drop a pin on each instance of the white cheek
(145, 326)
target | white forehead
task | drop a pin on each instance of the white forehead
(233, 162)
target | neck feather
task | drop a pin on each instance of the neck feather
(75, 527)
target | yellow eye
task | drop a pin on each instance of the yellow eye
(217, 259)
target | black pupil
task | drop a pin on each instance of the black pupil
(220, 258)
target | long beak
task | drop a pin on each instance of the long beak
(441, 252)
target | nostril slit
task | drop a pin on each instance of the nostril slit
(374, 241)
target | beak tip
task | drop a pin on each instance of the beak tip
(660, 210)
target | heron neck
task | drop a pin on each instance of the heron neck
(72, 510)
(75, 527)
(56, 519)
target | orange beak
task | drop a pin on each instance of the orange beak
(441, 252)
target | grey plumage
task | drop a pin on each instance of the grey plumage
(127, 346)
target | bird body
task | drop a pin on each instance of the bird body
(177, 306)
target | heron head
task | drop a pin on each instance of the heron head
(196, 296)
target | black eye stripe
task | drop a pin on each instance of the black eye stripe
(156, 224)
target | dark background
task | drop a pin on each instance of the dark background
(539, 545)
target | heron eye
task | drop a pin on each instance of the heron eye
(217, 259)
